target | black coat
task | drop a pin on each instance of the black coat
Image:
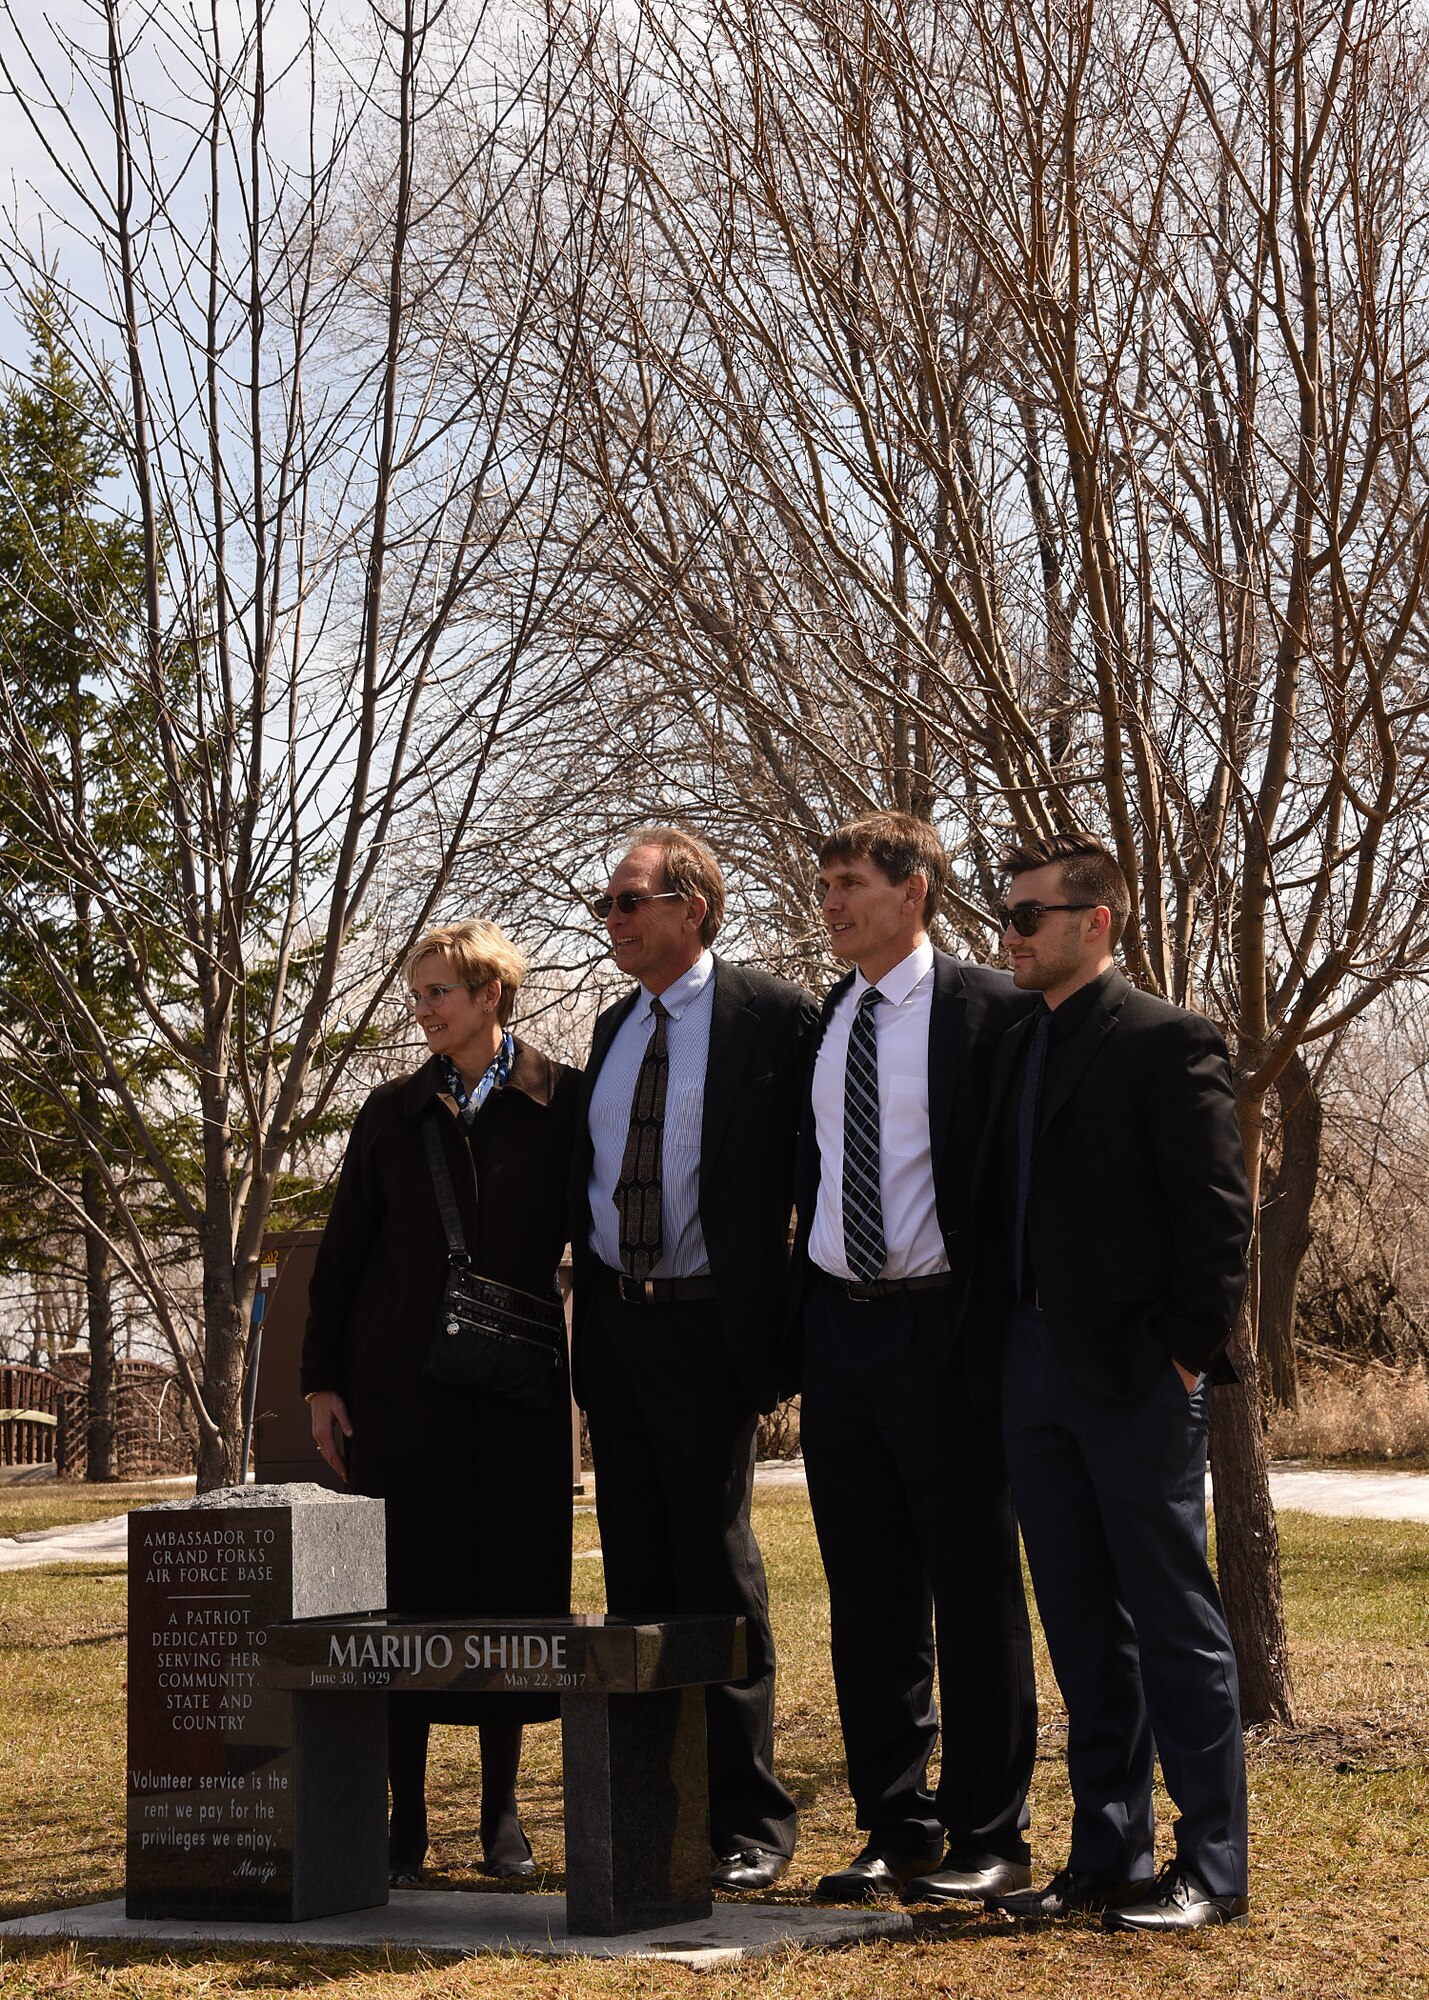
(478, 1492)
(972, 1008)
(1139, 1212)
(760, 1032)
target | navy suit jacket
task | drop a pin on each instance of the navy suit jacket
(760, 1032)
(973, 1006)
(1139, 1212)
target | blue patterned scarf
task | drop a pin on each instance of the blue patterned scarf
(469, 1102)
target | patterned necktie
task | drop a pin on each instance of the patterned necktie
(863, 1204)
(1026, 1139)
(637, 1192)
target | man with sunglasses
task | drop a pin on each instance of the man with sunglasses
(905, 1469)
(1112, 1255)
(682, 1199)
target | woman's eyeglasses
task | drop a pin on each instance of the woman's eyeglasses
(629, 900)
(1025, 917)
(428, 996)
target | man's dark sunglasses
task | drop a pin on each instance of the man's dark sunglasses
(629, 900)
(1025, 917)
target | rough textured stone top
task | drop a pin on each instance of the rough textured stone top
(298, 1493)
(319, 1554)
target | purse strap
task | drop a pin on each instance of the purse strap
(446, 1194)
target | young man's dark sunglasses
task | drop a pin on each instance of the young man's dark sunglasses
(1025, 917)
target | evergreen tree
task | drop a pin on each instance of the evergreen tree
(70, 582)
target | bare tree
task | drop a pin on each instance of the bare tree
(1016, 413)
(1365, 1283)
(262, 261)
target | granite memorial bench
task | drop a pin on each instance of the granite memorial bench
(260, 1659)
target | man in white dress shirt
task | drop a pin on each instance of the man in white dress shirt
(899, 1430)
(682, 1194)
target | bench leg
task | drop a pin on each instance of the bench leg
(637, 1810)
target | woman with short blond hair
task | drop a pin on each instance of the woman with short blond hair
(477, 1488)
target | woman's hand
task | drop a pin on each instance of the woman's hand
(331, 1424)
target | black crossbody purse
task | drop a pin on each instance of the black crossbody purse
(490, 1337)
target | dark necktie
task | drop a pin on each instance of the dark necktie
(637, 1192)
(1027, 1139)
(862, 1202)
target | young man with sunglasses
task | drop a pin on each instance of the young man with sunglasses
(1114, 1223)
(905, 1468)
(682, 1199)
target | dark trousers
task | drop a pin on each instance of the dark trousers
(916, 1532)
(672, 1435)
(1112, 1504)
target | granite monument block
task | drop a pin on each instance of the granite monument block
(235, 1787)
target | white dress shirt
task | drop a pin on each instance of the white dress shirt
(901, 1020)
(689, 1002)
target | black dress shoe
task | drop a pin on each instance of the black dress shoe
(406, 1852)
(745, 1868)
(1071, 1891)
(505, 1860)
(1177, 1901)
(969, 1879)
(878, 1871)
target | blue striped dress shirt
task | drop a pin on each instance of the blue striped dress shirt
(690, 1004)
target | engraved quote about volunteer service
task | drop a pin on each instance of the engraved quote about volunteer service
(208, 1784)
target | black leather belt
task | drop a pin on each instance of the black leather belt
(889, 1288)
(661, 1291)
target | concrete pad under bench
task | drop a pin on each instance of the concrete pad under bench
(465, 1925)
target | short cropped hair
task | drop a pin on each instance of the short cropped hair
(479, 952)
(1088, 869)
(900, 844)
(689, 868)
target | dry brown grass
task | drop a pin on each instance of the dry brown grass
(54, 1503)
(1340, 1816)
(1373, 1414)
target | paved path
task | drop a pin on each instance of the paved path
(1378, 1496)
(91, 1541)
(1375, 1496)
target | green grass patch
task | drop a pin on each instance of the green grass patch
(1339, 1813)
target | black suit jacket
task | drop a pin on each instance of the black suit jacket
(760, 1032)
(973, 1006)
(1139, 1212)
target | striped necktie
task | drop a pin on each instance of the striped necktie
(637, 1193)
(862, 1201)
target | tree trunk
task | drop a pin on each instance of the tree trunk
(99, 1306)
(1285, 1230)
(225, 1334)
(1247, 1539)
(1248, 1546)
(98, 1265)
